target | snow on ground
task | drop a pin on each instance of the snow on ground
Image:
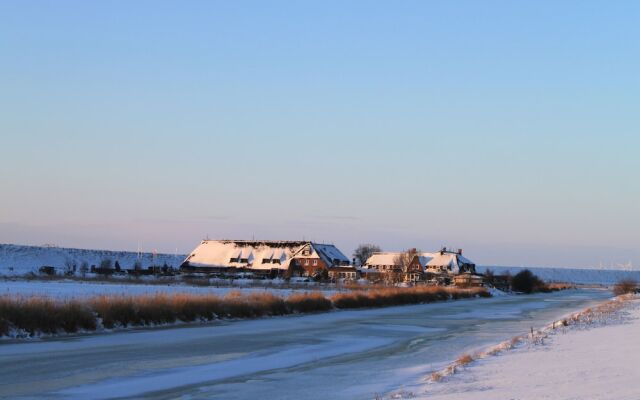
(596, 363)
(21, 260)
(79, 289)
(586, 276)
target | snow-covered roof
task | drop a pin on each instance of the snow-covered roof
(389, 258)
(450, 260)
(331, 253)
(381, 259)
(260, 254)
(425, 258)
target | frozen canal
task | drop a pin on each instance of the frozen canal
(338, 355)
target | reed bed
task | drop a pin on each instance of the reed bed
(383, 297)
(35, 314)
(31, 316)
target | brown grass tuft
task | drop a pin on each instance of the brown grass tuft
(464, 360)
(625, 286)
(39, 314)
(308, 302)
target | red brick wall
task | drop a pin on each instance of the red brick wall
(310, 268)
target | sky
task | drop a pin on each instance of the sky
(508, 129)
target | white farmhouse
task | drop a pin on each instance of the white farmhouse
(423, 266)
(268, 258)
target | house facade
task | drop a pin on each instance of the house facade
(348, 273)
(466, 279)
(264, 258)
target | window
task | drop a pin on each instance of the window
(266, 260)
(315, 262)
(306, 262)
(233, 259)
(275, 261)
(244, 260)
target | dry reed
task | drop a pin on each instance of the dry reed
(382, 297)
(35, 315)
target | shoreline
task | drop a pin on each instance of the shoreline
(483, 374)
(32, 317)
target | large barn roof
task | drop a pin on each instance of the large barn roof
(260, 254)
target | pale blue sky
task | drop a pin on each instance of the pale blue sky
(511, 129)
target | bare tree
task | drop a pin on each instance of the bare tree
(106, 263)
(402, 263)
(404, 259)
(84, 268)
(137, 267)
(69, 267)
(364, 251)
(393, 277)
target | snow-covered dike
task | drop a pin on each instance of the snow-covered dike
(20, 260)
(583, 276)
(598, 363)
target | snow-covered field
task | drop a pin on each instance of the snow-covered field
(21, 260)
(598, 363)
(78, 289)
(586, 276)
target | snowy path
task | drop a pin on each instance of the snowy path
(337, 355)
(598, 363)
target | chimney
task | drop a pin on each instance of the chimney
(460, 251)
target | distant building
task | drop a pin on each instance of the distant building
(344, 273)
(266, 258)
(437, 267)
(468, 280)
(449, 262)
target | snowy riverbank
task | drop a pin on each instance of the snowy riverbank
(68, 289)
(343, 355)
(595, 361)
